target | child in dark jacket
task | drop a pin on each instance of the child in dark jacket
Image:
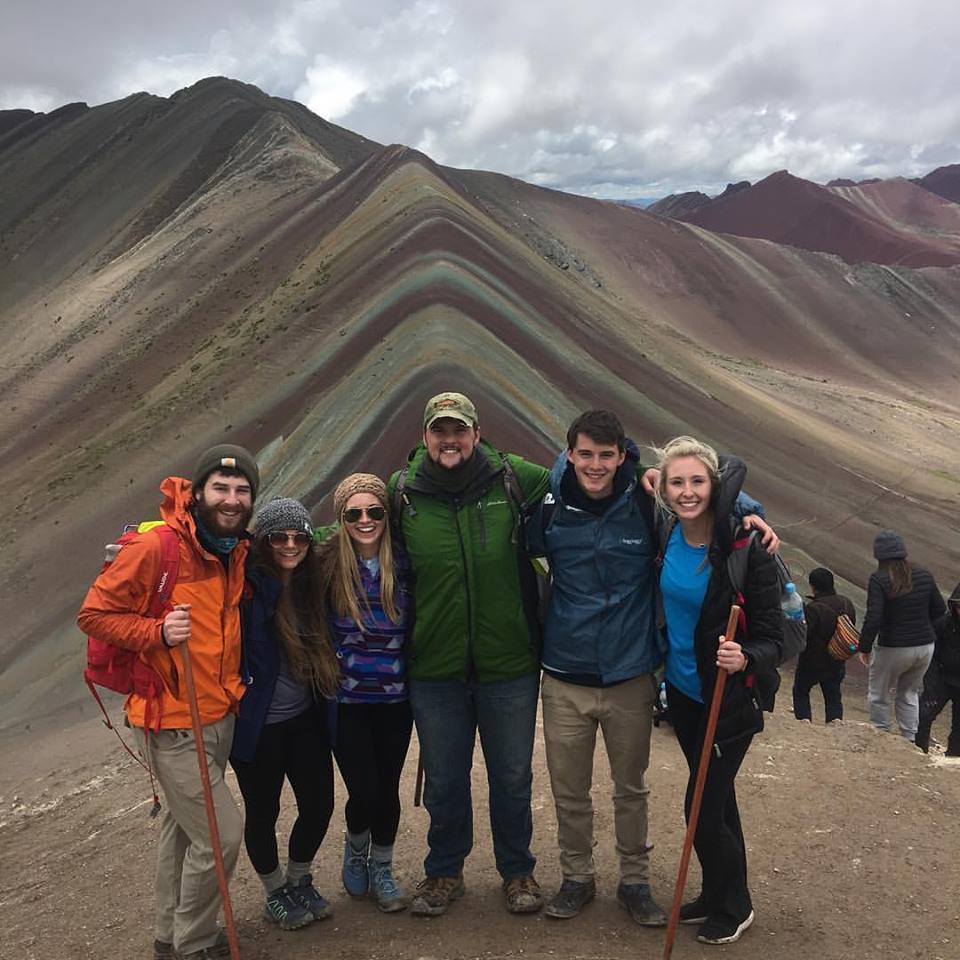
(815, 665)
(369, 616)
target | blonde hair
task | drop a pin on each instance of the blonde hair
(346, 587)
(685, 447)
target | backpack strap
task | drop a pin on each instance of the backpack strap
(512, 486)
(737, 561)
(169, 571)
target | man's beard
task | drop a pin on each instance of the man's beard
(210, 517)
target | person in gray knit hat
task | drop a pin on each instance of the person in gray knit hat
(280, 514)
(903, 602)
(285, 721)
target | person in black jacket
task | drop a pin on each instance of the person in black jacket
(815, 665)
(285, 726)
(942, 681)
(696, 493)
(903, 602)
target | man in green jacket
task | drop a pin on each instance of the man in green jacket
(473, 656)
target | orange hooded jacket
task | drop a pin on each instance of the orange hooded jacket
(115, 610)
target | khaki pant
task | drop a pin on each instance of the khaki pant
(188, 898)
(571, 715)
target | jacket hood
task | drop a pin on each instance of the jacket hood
(175, 506)
(628, 467)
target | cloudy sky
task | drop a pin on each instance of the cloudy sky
(614, 98)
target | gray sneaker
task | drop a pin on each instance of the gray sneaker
(571, 898)
(636, 899)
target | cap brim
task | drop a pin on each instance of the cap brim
(448, 415)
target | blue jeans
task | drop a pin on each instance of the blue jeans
(448, 714)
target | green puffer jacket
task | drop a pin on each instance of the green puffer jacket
(474, 589)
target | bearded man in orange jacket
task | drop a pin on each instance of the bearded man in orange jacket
(209, 516)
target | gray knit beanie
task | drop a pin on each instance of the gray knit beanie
(889, 545)
(282, 513)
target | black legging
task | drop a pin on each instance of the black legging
(297, 749)
(372, 742)
(719, 837)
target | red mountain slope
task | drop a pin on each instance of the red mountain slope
(788, 210)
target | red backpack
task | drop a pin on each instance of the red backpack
(123, 671)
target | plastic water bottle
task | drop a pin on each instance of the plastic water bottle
(791, 602)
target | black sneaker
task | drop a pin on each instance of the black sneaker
(163, 950)
(571, 898)
(285, 909)
(636, 899)
(695, 911)
(723, 931)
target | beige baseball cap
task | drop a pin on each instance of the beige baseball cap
(453, 405)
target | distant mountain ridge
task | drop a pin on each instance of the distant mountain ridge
(224, 265)
(846, 218)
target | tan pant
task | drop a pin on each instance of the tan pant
(571, 715)
(188, 898)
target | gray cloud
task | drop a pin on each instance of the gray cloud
(620, 97)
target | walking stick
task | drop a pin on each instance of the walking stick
(208, 800)
(705, 753)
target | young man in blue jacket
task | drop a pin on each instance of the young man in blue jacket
(600, 651)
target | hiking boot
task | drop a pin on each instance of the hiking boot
(305, 893)
(163, 950)
(571, 898)
(435, 894)
(723, 931)
(523, 894)
(356, 880)
(695, 911)
(219, 950)
(285, 909)
(385, 889)
(636, 899)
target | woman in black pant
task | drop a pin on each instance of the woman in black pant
(696, 493)
(285, 725)
(369, 615)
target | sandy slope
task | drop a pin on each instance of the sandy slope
(853, 845)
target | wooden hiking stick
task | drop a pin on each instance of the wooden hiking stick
(705, 753)
(208, 801)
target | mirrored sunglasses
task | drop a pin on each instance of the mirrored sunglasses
(281, 539)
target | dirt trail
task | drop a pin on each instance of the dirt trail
(853, 845)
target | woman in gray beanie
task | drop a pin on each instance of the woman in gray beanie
(903, 601)
(286, 721)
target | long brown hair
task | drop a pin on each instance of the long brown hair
(343, 571)
(901, 575)
(300, 619)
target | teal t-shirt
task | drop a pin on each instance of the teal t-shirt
(683, 584)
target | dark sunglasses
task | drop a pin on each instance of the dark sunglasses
(355, 513)
(281, 539)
